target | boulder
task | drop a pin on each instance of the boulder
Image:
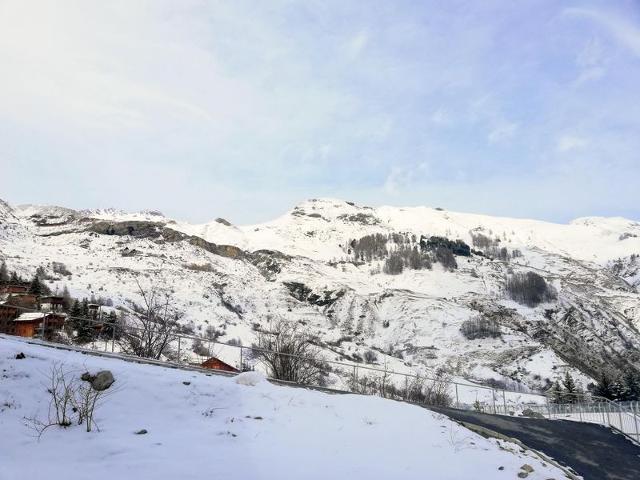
(100, 381)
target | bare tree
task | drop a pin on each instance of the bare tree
(149, 332)
(289, 354)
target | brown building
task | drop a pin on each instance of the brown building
(23, 300)
(51, 303)
(13, 289)
(8, 313)
(30, 324)
(217, 364)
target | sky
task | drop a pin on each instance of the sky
(242, 109)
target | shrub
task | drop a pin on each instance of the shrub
(370, 356)
(393, 265)
(529, 289)
(480, 327)
(445, 257)
(289, 354)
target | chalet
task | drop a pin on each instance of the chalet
(8, 289)
(8, 313)
(30, 324)
(23, 300)
(216, 364)
(94, 310)
(51, 303)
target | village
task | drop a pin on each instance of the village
(29, 309)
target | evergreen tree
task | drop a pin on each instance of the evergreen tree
(15, 279)
(66, 299)
(605, 387)
(37, 287)
(4, 273)
(555, 393)
(83, 328)
(631, 383)
(570, 390)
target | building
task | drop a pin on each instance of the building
(13, 289)
(33, 323)
(51, 303)
(216, 364)
(8, 313)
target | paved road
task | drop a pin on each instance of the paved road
(592, 451)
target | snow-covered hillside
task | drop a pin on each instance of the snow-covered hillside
(199, 426)
(301, 267)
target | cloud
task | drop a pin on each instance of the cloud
(620, 27)
(357, 44)
(568, 143)
(502, 133)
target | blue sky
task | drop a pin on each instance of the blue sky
(241, 109)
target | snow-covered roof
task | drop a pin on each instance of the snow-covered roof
(29, 317)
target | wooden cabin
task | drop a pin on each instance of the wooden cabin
(51, 303)
(23, 300)
(14, 288)
(217, 364)
(8, 313)
(31, 324)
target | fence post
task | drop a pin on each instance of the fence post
(504, 401)
(113, 336)
(179, 338)
(44, 327)
(493, 397)
(620, 416)
(241, 368)
(635, 419)
(406, 387)
(457, 398)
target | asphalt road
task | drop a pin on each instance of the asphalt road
(592, 451)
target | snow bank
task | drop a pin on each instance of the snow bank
(206, 426)
(250, 378)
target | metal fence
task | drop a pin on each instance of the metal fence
(594, 409)
(347, 376)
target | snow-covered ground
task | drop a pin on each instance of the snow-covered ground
(201, 426)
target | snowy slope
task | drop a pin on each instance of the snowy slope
(212, 427)
(412, 320)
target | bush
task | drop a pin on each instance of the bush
(393, 265)
(529, 289)
(480, 327)
(289, 354)
(370, 356)
(445, 257)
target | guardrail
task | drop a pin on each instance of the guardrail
(350, 376)
(593, 409)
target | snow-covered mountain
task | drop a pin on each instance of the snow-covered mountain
(310, 266)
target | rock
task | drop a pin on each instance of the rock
(100, 381)
(527, 468)
(186, 383)
(500, 467)
(527, 412)
(20, 356)
(142, 432)
(523, 474)
(249, 378)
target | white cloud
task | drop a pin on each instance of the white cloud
(567, 143)
(621, 28)
(502, 133)
(357, 44)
